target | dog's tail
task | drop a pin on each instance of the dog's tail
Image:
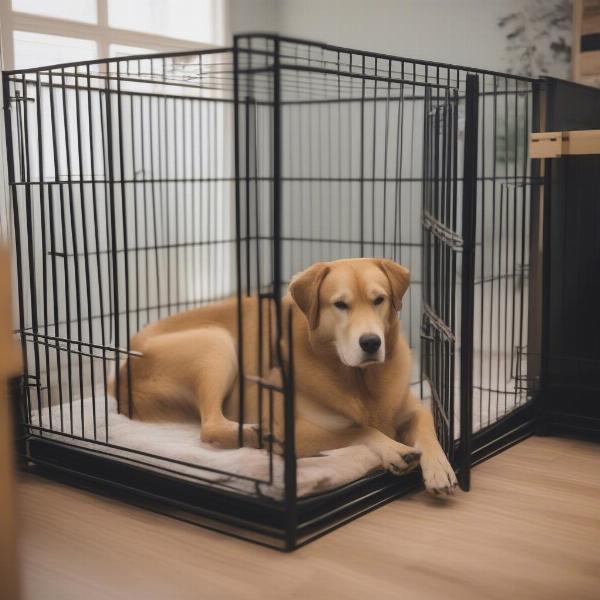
(121, 393)
(125, 378)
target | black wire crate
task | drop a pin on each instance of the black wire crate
(144, 186)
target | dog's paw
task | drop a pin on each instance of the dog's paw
(251, 436)
(225, 435)
(398, 458)
(273, 442)
(438, 474)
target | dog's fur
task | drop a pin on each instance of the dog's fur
(344, 394)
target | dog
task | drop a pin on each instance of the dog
(351, 370)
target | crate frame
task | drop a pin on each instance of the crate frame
(293, 522)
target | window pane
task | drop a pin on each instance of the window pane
(73, 10)
(135, 67)
(194, 20)
(40, 50)
(118, 50)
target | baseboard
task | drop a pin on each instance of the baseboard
(567, 424)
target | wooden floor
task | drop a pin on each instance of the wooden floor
(530, 528)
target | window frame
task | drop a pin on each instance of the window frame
(99, 32)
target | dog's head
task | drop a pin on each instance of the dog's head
(352, 304)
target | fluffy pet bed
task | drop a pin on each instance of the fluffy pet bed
(180, 442)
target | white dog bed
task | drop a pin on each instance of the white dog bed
(181, 442)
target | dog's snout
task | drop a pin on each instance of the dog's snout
(370, 342)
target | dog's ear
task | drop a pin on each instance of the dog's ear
(304, 288)
(398, 277)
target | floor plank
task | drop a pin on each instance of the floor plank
(530, 528)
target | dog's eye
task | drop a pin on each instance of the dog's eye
(341, 305)
(379, 300)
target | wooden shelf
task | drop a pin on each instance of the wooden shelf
(554, 144)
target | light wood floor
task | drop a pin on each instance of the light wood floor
(530, 528)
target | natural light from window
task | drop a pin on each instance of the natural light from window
(176, 18)
(72, 10)
(33, 49)
(37, 33)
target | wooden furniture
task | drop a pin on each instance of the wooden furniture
(9, 366)
(569, 383)
(585, 53)
(555, 144)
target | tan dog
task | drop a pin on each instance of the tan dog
(351, 365)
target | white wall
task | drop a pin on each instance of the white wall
(465, 32)
(253, 15)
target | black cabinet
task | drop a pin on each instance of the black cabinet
(570, 342)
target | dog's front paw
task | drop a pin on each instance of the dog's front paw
(438, 474)
(398, 458)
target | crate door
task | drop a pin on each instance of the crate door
(441, 243)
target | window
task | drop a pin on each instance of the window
(184, 19)
(72, 10)
(33, 49)
(118, 50)
(37, 33)
(45, 32)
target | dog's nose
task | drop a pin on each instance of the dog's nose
(370, 343)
